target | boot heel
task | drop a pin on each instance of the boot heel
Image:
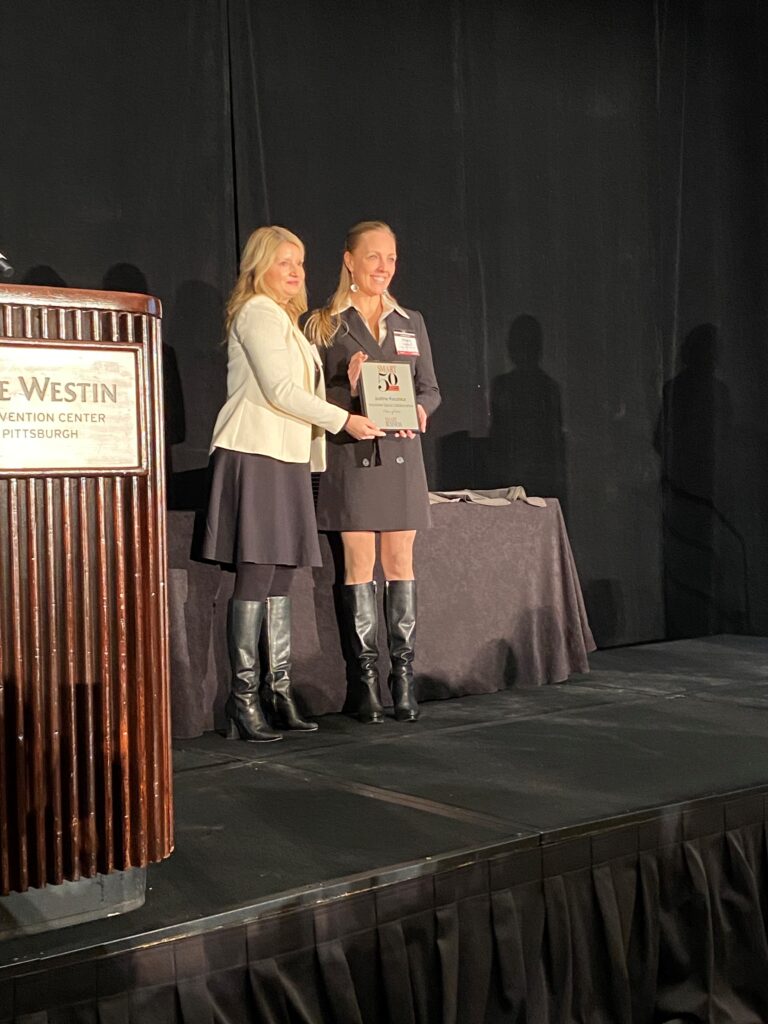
(371, 717)
(233, 733)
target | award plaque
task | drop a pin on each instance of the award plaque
(388, 396)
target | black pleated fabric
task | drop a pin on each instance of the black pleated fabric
(566, 934)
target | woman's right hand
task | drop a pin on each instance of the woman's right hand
(361, 428)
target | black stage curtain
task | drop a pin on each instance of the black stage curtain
(580, 194)
(713, 110)
(116, 173)
(591, 931)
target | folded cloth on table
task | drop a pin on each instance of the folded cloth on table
(494, 496)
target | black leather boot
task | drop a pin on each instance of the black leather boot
(243, 709)
(400, 611)
(361, 625)
(277, 679)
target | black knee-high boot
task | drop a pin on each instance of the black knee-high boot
(361, 625)
(243, 708)
(400, 611)
(277, 680)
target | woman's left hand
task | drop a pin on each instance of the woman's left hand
(410, 434)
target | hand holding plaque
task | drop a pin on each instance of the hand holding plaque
(388, 396)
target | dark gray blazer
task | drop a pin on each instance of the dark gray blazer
(375, 485)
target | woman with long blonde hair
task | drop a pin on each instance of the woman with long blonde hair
(268, 435)
(375, 485)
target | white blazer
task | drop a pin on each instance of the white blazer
(275, 390)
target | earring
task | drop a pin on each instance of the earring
(353, 287)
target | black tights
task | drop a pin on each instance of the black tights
(257, 582)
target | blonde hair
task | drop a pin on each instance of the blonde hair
(258, 256)
(322, 325)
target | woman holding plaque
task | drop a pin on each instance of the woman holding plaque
(375, 485)
(267, 437)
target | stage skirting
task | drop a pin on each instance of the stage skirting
(657, 921)
(499, 605)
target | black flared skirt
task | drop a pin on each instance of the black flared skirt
(260, 510)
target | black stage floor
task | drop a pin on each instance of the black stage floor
(652, 730)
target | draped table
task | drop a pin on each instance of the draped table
(498, 597)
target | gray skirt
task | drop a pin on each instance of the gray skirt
(260, 510)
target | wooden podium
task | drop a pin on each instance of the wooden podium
(85, 773)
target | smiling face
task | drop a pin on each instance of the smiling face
(372, 262)
(286, 275)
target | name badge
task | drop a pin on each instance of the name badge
(406, 344)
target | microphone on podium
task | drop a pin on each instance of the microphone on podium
(6, 270)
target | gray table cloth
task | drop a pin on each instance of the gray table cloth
(499, 605)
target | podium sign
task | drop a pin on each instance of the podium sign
(73, 410)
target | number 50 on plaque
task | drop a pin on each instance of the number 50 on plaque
(388, 396)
